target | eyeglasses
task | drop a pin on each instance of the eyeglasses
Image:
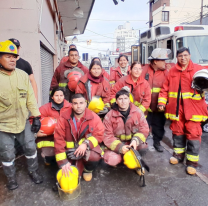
(181, 56)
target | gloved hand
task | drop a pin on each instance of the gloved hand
(104, 111)
(36, 124)
(70, 154)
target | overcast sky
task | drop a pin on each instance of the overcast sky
(134, 11)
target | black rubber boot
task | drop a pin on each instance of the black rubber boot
(158, 146)
(36, 177)
(12, 183)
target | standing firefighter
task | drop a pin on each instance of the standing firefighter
(16, 98)
(156, 74)
(78, 133)
(186, 108)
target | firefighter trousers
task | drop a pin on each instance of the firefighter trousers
(157, 121)
(7, 150)
(186, 139)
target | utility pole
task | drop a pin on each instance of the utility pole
(201, 14)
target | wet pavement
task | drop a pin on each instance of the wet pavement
(166, 184)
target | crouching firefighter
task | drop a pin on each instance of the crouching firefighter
(77, 136)
(125, 127)
(16, 98)
(186, 109)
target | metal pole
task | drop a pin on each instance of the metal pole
(201, 14)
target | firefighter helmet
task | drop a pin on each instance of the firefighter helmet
(160, 54)
(200, 80)
(7, 47)
(48, 125)
(131, 160)
(96, 105)
(68, 183)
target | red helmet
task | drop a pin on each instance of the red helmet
(48, 125)
(73, 78)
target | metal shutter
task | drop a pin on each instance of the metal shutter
(47, 73)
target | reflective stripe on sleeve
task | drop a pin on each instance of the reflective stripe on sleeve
(141, 136)
(142, 108)
(171, 116)
(69, 145)
(112, 82)
(45, 144)
(199, 118)
(155, 90)
(162, 100)
(114, 144)
(173, 94)
(113, 100)
(62, 84)
(81, 141)
(107, 105)
(93, 140)
(60, 156)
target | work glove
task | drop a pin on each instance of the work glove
(70, 154)
(104, 111)
(36, 124)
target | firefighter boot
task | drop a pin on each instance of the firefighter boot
(12, 183)
(87, 176)
(191, 170)
(176, 158)
(36, 177)
(158, 146)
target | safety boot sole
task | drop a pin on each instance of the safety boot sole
(87, 176)
(191, 170)
(174, 161)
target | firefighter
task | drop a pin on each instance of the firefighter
(105, 73)
(16, 98)
(65, 59)
(78, 133)
(156, 74)
(55, 108)
(120, 71)
(95, 83)
(186, 109)
(137, 85)
(125, 127)
(60, 79)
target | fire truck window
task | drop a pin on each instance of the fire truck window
(151, 47)
(170, 46)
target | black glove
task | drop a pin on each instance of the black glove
(36, 124)
(70, 154)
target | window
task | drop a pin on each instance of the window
(151, 47)
(165, 16)
(170, 46)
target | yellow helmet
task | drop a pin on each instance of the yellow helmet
(131, 160)
(96, 105)
(69, 183)
(7, 47)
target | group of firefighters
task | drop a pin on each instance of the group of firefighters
(99, 116)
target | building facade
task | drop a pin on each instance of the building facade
(41, 27)
(174, 11)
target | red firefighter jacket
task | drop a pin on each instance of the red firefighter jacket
(155, 80)
(48, 111)
(141, 92)
(64, 59)
(59, 79)
(91, 129)
(96, 89)
(115, 74)
(194, 106)
(116, 132)
(105, 74)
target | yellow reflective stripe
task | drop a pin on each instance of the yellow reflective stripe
(107, 105)
(69, 145)
(189, 95)
(142, 108)
(81, 141)
(199, 118)
(179, 150)
(141, 136)
(193, 158)
(124, 137)
(60, 156)
(114, 144)
(93, 140)
(45, 144)
(149, 110)
(112, 82)
(102, 153)
(62, 84)
(137, 103)
(155, 90)
(173, 94)
(162, 100)
(171, 116)
(113, 100)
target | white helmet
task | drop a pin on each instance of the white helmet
(200, 80)
(160, 54)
